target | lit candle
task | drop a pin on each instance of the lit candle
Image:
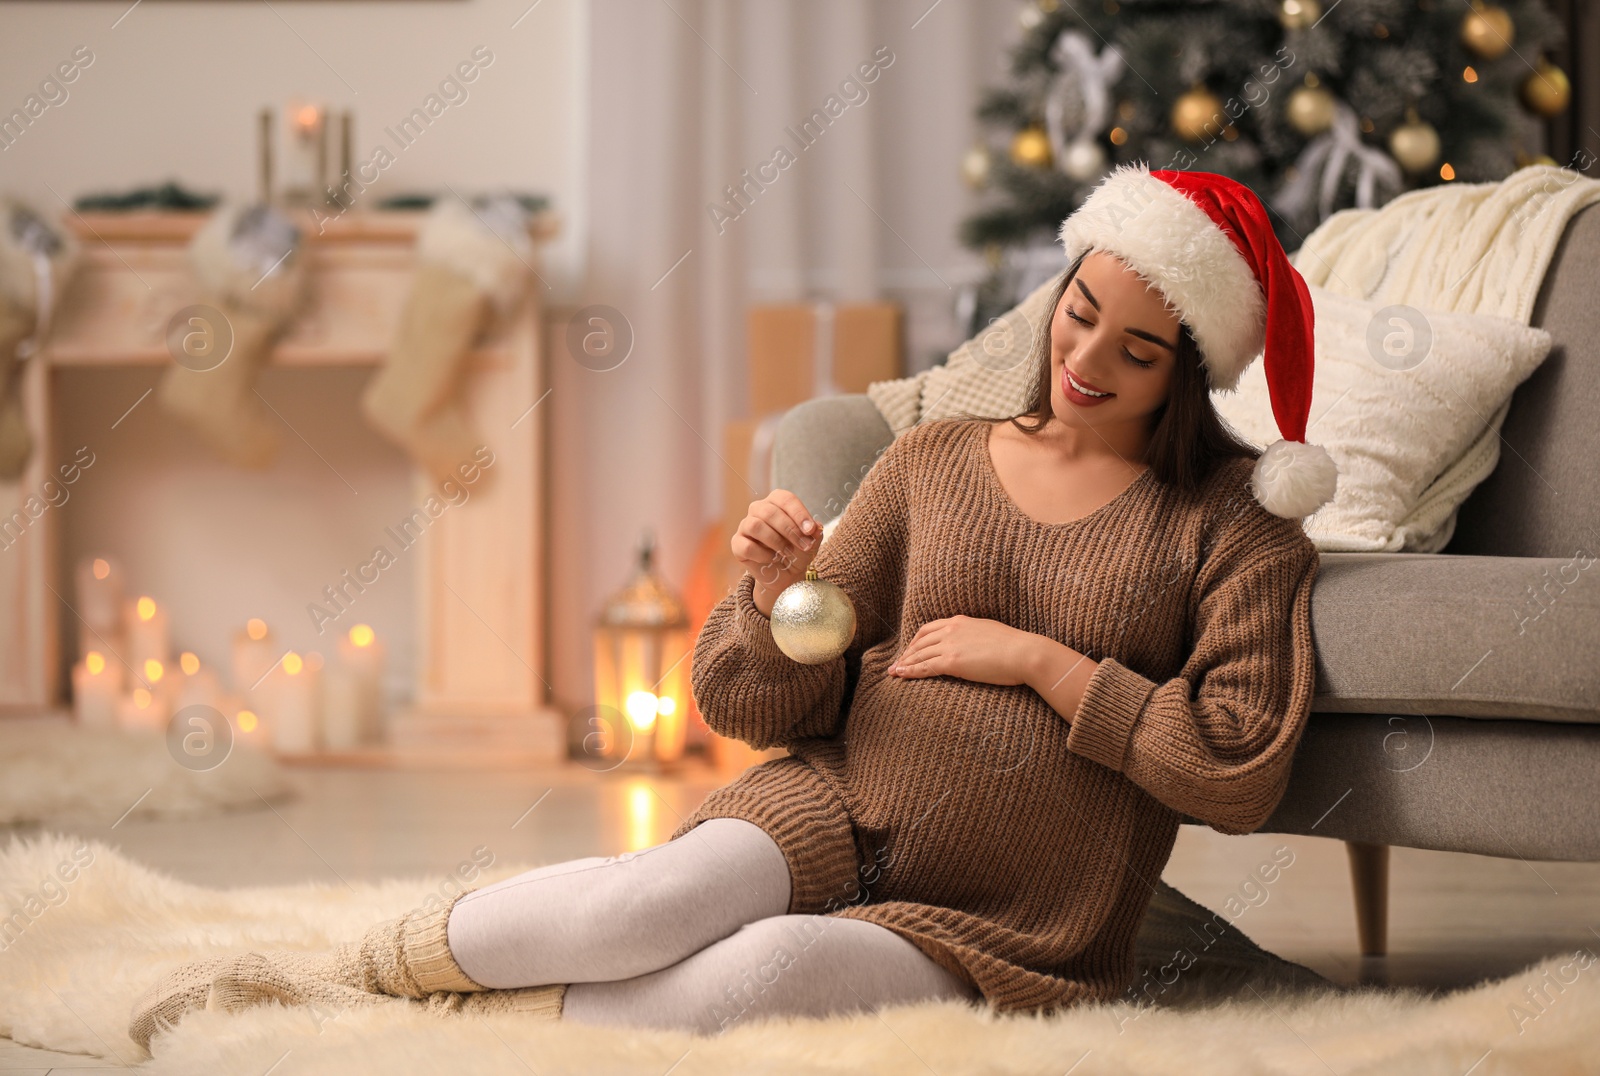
(295, 694)
(99, 596)
(255, 653)
(142, 711)
(96, 683)
(146, 627)
(354, 696)
(306, 156)
(195, 685)
(248, 727)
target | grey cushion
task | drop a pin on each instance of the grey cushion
(1543, 499)
(1501, 788)
(1500, 637)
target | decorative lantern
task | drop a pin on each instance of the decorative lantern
(641, 673)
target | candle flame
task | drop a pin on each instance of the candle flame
(189, 662)
(292, 663)
(146, 608)
(666, 705)
(141, 698)
(102, 568)
(247, 720)
(256, 628)
(95, 662)
(306, 116)
(153, 671)
(361, 635)
(641, 707)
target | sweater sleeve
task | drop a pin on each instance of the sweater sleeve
(750, 690)
(1217, 741)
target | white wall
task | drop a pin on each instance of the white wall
(174, 90)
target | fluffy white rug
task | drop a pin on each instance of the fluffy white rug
(76, 954)
(52, 769)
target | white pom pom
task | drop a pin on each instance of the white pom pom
(1293, 479)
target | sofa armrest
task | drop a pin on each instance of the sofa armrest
(1424, 633)
(822, 449)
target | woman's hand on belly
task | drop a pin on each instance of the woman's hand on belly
(971, 648)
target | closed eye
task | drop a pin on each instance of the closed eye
(1131, 357)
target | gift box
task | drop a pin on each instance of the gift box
(798, 352)
(803, 350)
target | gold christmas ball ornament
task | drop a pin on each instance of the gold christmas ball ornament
(1487, 31)
(1197, 114)
(1310, 110)
(1299, 14)
(813, 621)
(1415, 144)
(1547, 91)
(1031, 148)
(975, 167)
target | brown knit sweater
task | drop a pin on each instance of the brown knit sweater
(1016, 848)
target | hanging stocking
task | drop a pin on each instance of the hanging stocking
(472, 263)
(248, 262)
(35, 261)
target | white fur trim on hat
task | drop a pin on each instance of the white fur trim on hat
(494, 253)
(1177, 248)
(1293, 479)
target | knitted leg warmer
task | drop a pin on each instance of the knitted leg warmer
(405, 957)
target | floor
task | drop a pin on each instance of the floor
(1454, 919)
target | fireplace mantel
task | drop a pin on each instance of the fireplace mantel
(480, 687)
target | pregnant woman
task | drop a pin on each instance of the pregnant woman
(1074, 628)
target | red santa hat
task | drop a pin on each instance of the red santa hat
(1204, 241)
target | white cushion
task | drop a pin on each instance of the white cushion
(1400, 394)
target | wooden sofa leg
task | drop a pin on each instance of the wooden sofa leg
(1369, 877)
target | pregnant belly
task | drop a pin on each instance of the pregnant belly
(936, 773)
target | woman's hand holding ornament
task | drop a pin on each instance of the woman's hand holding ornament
(776, 542)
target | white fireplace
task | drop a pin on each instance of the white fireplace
(464, 600)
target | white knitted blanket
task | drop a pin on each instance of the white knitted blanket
(1464, 247)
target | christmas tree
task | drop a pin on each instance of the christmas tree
(1317, 106)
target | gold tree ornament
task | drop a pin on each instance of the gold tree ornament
(1031, 148)
(975, 167)
(1547, 91)
(813, 621)
(1196, 114)
(1487, 30)
(1415, 144)
(1310, 110)
(1299, 14)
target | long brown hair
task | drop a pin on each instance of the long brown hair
(1188, 439)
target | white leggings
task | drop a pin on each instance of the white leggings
(689, 934)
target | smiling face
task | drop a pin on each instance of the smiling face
(1113, 334)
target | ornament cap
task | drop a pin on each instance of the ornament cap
(811, 573)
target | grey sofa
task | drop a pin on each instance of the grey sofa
(1458, 697)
